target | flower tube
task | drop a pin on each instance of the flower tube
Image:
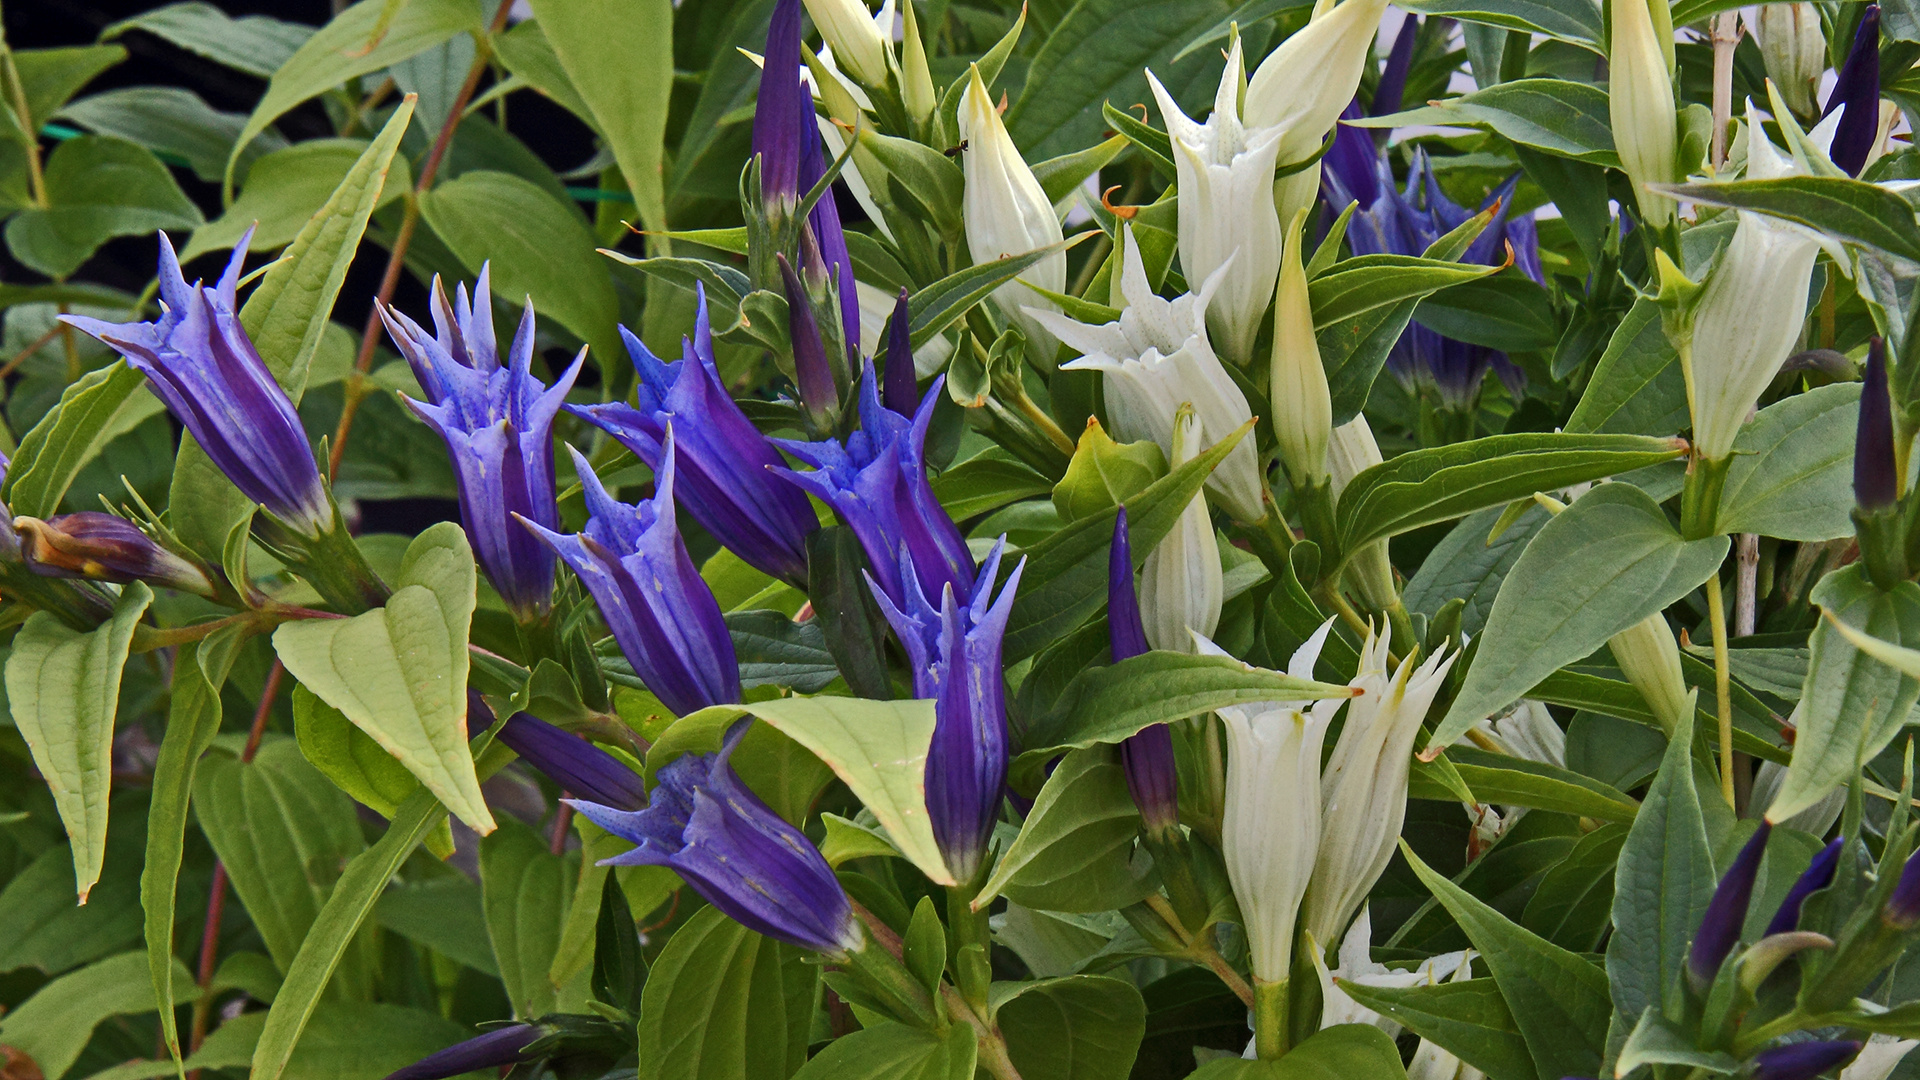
(1007, 213)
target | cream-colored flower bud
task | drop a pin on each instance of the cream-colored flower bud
(1350, 452)
(1640, 101)
(1181, 586)
(1302, 86)
(1302, 404)
(916, 83)
(1650, 659)
(1008, 214)
(851, 31)
(1793, 48)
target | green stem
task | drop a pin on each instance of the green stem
(1700, 498)
(969, 928)
(332, 563)
(1722, 684)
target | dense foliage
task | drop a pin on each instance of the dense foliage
(1071, 541)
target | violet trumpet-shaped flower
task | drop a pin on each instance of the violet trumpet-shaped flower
(712, 830)
(1802, 1060)
(723, 461)
(102, 547)
(1147, 755)
(954, 651)
(876, 482)
(579, 767)
(1818, 875)
(1876, 481)
(497, 422)
(1856, 93)
(1390, 221)
(661, 612)
(199, 361)
(1726, 912)
(489, 1051)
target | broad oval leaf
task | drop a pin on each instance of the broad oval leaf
(1081, 827)
(1792, 471)
(724, 1003)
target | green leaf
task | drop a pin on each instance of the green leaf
(1557, 116)
(1852, 210)
(851, 625)
(1356, 286)
(1498, 778)
(63, 688)
(924, 946)
(1792, 471)
(193, 719)
(282, 831)
(1637, 387)
(1074, 853)
(1445, 482)
(349, 47)
(1507, 312)
(987, 481)
(926, 174)
(1860, 686)
(1466, 566)
(400, 672)
(45, 929)
(538, 247)
(1078, 1027)
(526, 52)
(1653, 1041)
(284, 189)
(932, 309)
(446, 915)
(526, 890)
(888, 1051)
(1559, 1000)
(724, 1003)
(1066, 576)
(1111, 703)
(1353, 352)
(773, 650)
(285, 316)
(170, 121)
(353, 761)
(92, 412)
(1662, 885)
(1060, 176)
(54, 1025)
(1341, 1052)
(1572, 906)
(48, 77)
(1469, 1020)
(619, 57)
(98, 188)
(1609, 561)
(255, 44)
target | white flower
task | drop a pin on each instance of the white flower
(1430, 1062)
(1271, 828)
(1640, 102)
(1008, 214)
(1793, 47)
(1528, 732)
(1650, 659)
(1350, 452)
(876, 308)
(1364, 789)
(1302, 404)
(1356, 965)
(1815, 819)
(855, 36)
(1181, 587)
(1748, 316)
(1302, 86)
(1878, 1058)
(1155, 357)
(1225, 175)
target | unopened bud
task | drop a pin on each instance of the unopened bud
(102, 547)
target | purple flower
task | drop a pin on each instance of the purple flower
(954, 651)
(501, 1046)
(1876, 482)
(1147, 756)
(1818, 875)
(708, 827)
(724, 460)
(1903, 907)
(199, 361)
(876, 483)
(1857, 93)
(1726, 912)
(498, 426)
(1802, 1060)
(812, 371)
(578, 766)
(1394, 222)
(102, 547)
(661, 612)
(901, 388)
(1393, 78)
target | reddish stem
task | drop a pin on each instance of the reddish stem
(562, 820)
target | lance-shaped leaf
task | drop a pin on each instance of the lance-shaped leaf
(1852, 210)
(400, 672)
(889, 1051)
(1560, 117)
(939, 305)
(1360, 285)
(93, 410)
(1513, 781)
(1469, 1020)
(63, 688)
(1792, 471)
(1080, 830)
(1341, 1052)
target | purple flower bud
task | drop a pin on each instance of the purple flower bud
(199, 361)
(1393, 78)
(1903, 907)
(712, 830)
(902, 390)
(1857, 92)
(723, 460)
(501, 1046)
(102, 547)
(1876, 481)
(1146, 756)
(1802, 1060)
(876, 483)
(954, 651)
(1818, 875)
(1726, 912)
(811, 369)
(497, 423)
(578, 766)
(661, 612)
(783, 112)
